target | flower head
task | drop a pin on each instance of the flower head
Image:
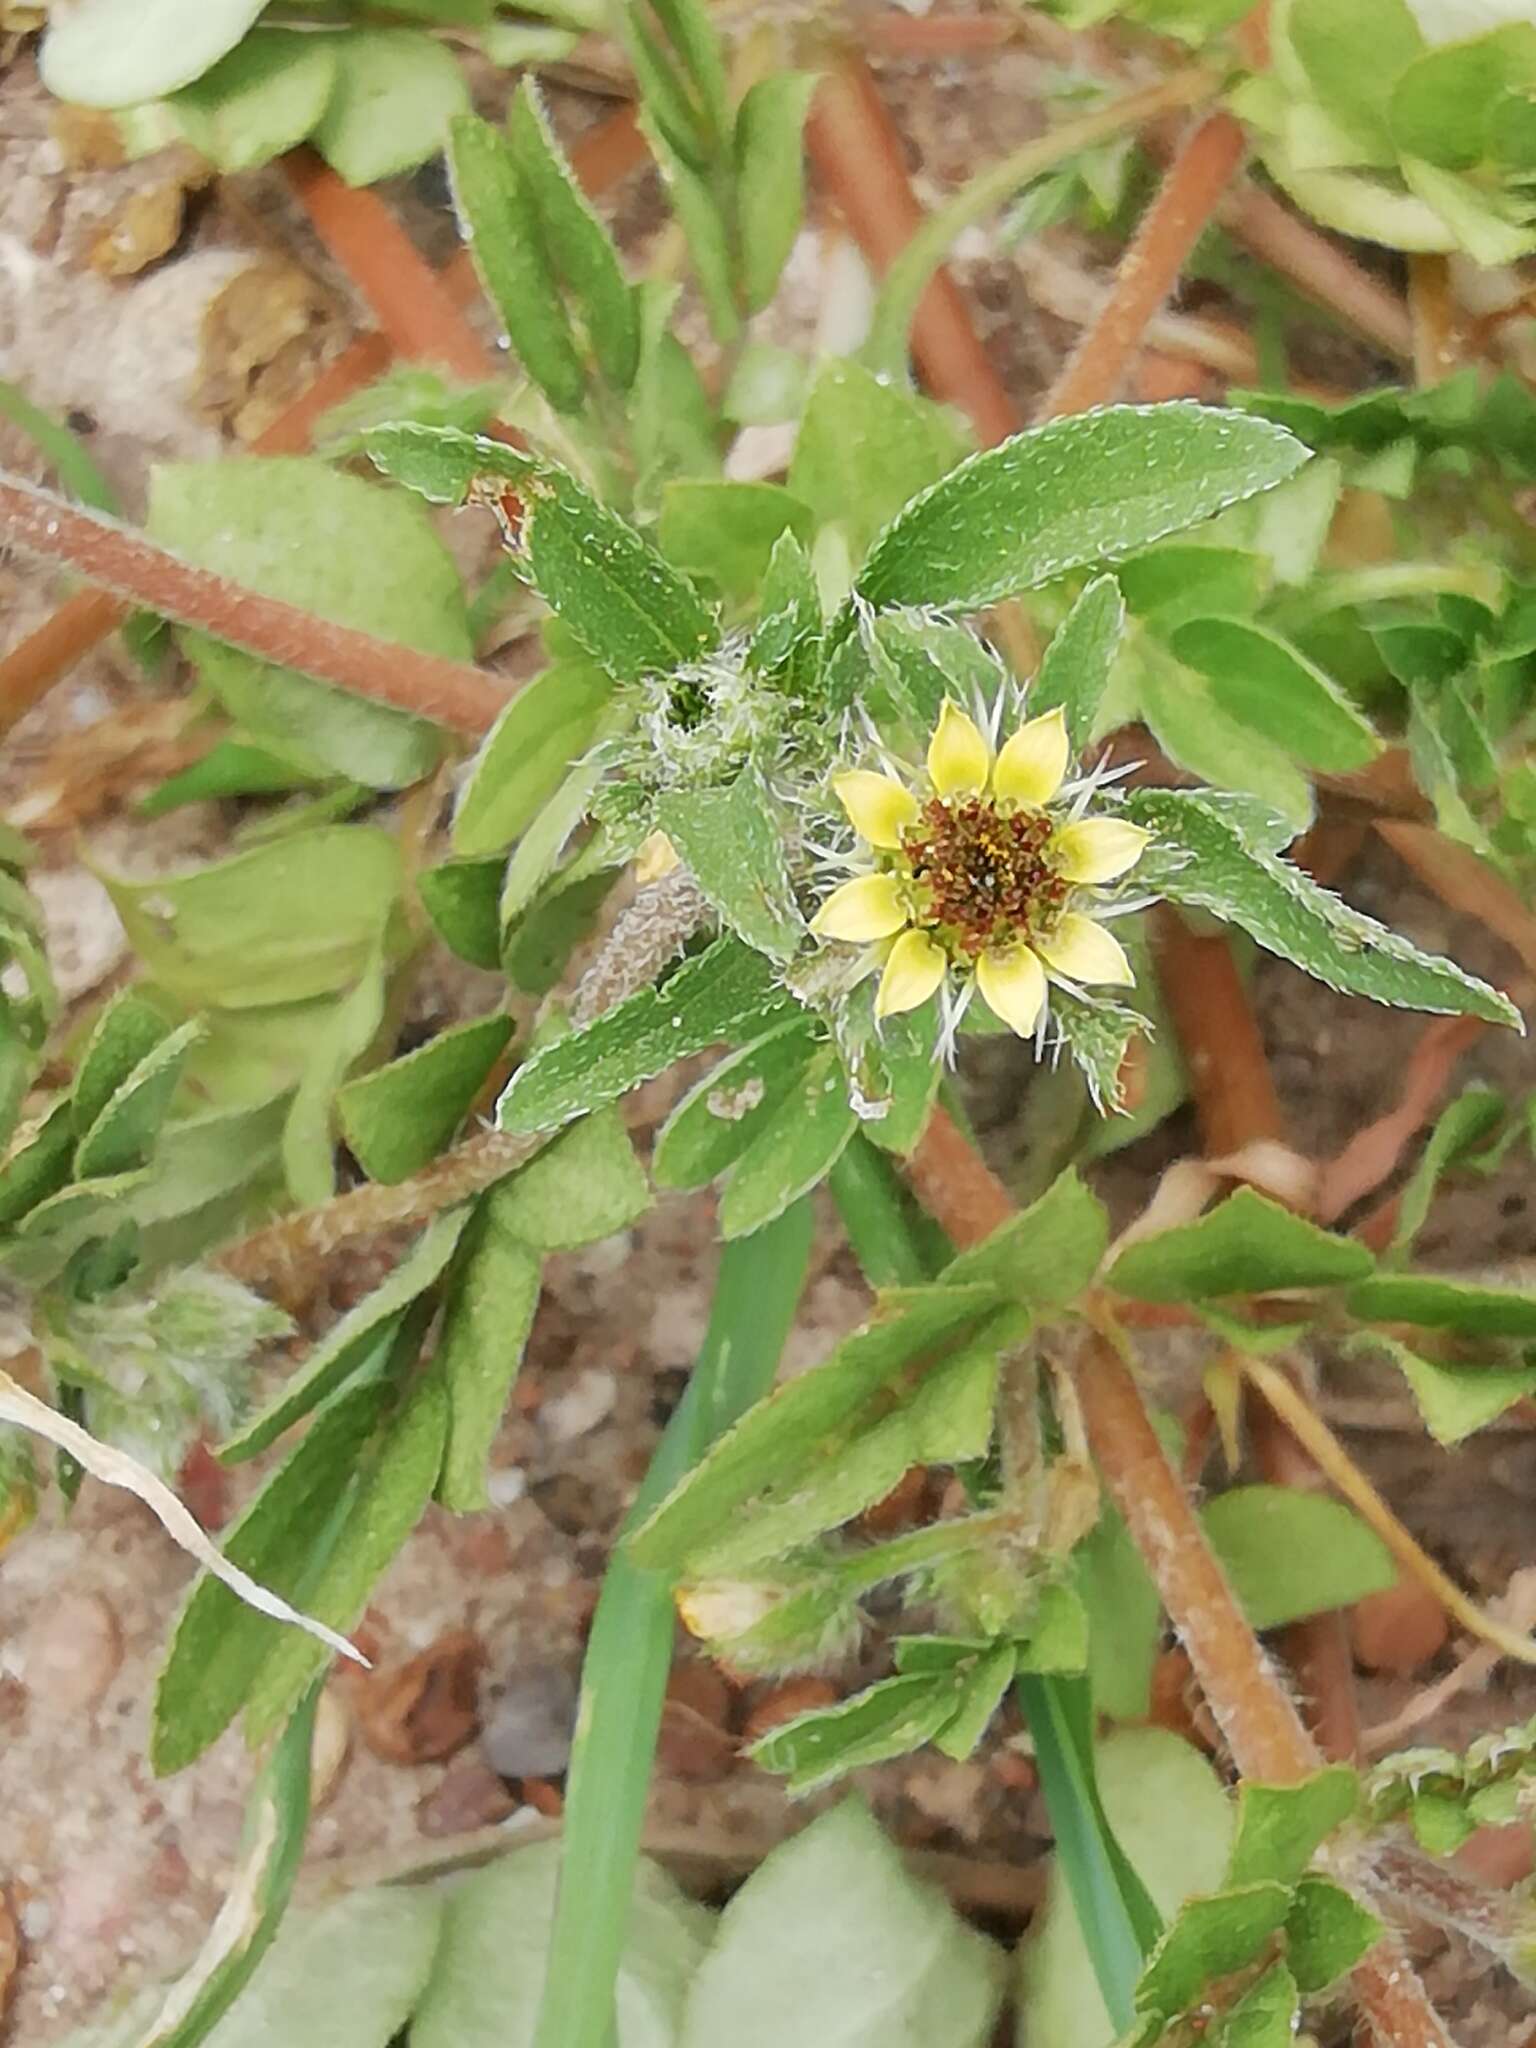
(981, 871)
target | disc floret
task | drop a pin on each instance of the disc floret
(981, 872)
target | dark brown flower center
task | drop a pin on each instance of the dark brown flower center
(984, 877)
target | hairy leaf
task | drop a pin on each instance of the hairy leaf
(400, 1116)
(1247, 1244)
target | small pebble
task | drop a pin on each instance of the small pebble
(529, 1722)
(71, 1651)
(587, 1402)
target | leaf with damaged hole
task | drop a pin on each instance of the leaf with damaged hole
(726, 993)
(724, 1112)
(797, 1147)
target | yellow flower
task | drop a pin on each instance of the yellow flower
(978, 873)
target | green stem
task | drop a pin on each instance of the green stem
(885, 350)
(1118, 1920)
(629, 1652)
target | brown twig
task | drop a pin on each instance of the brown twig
(938, 37)
(1207, 161)
(451, 693)
(856, 149)
(1317, 268)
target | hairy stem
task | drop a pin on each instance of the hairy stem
(1207, 161)
(451, 693)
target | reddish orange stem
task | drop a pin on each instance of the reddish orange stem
(449, 692)
(938, 36)
(1219, 1034)
(403, 291)
(855, 146)
(1207, 161)
(1319, 269)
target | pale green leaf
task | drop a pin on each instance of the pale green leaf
(864, 448)
(699, 214)
(486, 1983)
(1247, 1244)
(297, 917)
(122, 1137)
(832, 1940)
(101, 55)
(1456, 1400)
(261, 99)
(402, 1115)
(770, 178)
(1290, 915)
(1080, 490)
(1441, 104)
(1291, 1554)
(329, 1054)
(726, 532)
(397, 90)
(1046, 1255)
(888, 1719)
(726, 992)
(126, 1032)
(350, 1343)
(1180, 710)
(348, 1973)
(490, 1311)
(1352, 57)
(293, 529)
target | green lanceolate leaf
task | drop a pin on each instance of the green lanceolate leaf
(276, 1820)
(1287, 913)
(1074, 672)
(1461, 1129)
(733, 841)
(1326, 1934)
(392, 1492)
(1245, 1245)
(352, 1342)
(624, 602)
(527, 754)
(220, 1645)
(125, 1033)
(122, 1137)
(500, 221)
(798, 1421)
(704, 225)
(1291, 1554)
(577, 240)
(921, 659)
(1430, 1302)
(723, 1113)
(400, 1116)
(315, 537)
(330, 1052)
(888, 1719)
(1077, 491)
(1179, 708)
(770, 178)
(789, 615)
(726, 992)
(1280, 1828)
(490, 1311)
(37, 1165)
(1266, 685)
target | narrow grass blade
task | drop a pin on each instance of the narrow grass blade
(624, 1678)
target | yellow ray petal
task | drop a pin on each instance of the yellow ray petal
(958, 757)
(1014, 984)
(878, 807)
(1083, 951)
(912, 973)
(1032, 765)
(869, 908)
(1097, 849)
